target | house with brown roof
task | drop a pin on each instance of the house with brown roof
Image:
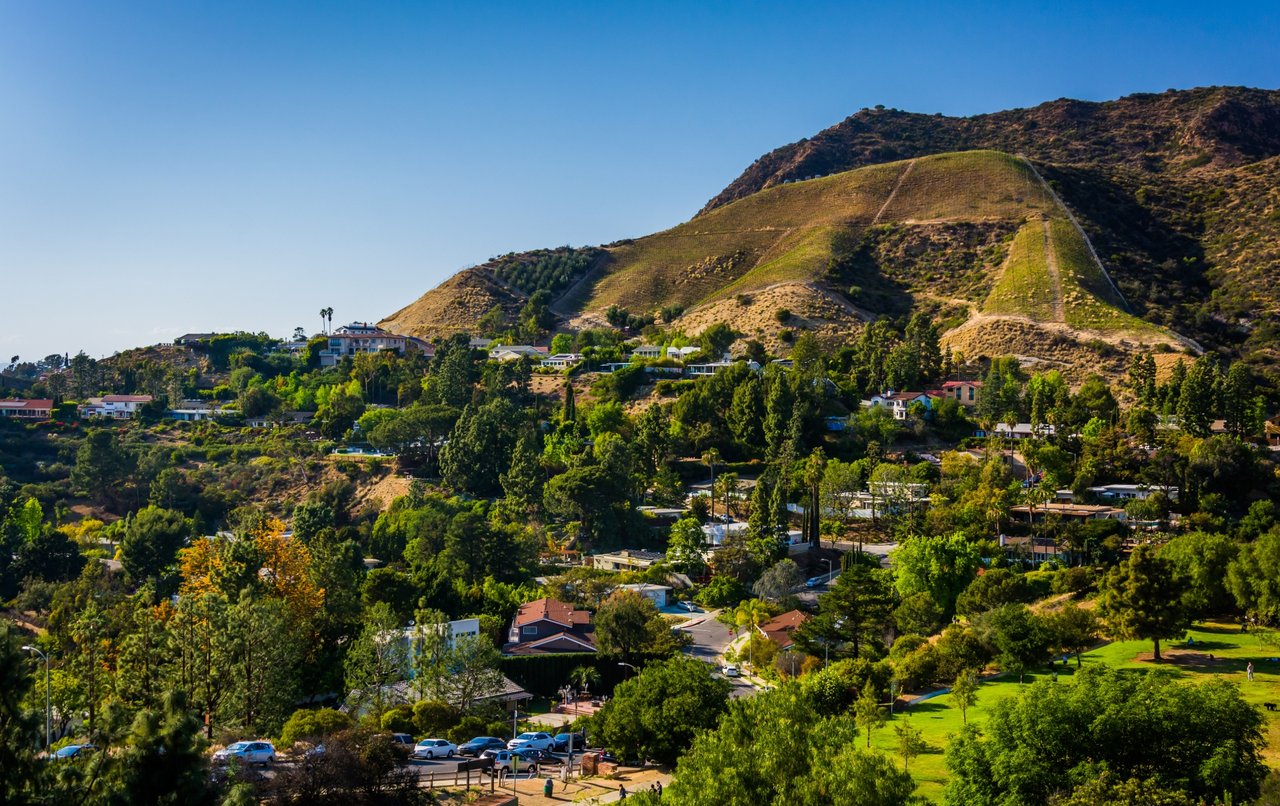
(779, 628)
(26, 409)
(548, 625)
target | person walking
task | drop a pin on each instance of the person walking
(1248, 670)
(622, 792)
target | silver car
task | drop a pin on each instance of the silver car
(263, 753)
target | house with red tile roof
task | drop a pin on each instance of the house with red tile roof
(779, 628)
(26, 409)
(548, 625)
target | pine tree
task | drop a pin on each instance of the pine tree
(569, 413)
(778, 409)
(746, 416)
(1143, 598)
(523, 481)
(1238, 400)
(1196, 401)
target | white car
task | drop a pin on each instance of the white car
(434, 748)
(247, 753)
(532, 741)
(731, 671)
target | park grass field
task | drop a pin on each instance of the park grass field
(937, 719)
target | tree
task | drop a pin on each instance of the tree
(152, 538)
(628, 622)
(940, 566)
(463, 674)
(586, 494)
(479, 448)
(748, 760)
(1196, 401)
(852, 615)
(522, 483)
(684, 547)
(656, 714)
(163, 758)
(910, 742)
(964, 693)
(1053, 739)
(1073, 629)
(1202, 561)
(103, 467)
(1019, 637)
(19, 733)
(779, 581)
(377, 658)
(1254, 577)
(867, 711)
(1143, 598)
(264, 654)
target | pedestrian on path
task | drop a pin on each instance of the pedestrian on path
(622, 792)
(1249, 671)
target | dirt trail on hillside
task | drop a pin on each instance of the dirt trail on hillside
(1051, 260)
(893, 194)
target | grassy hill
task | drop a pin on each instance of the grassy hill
(973, 220)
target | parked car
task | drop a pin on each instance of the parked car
(690, 606)
(505, 759)
(560, 743)
(479, 744)
(539, 756)
(402, 739)
(814, 582)
(731, 671)
(434, 748)
(75, 751)
(531, 741)
(263, 753)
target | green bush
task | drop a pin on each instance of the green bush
(313, 723)
(398, 719)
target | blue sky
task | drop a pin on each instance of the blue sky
(183, 166)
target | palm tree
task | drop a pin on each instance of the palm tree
(584, 677)
(709, 458)
(748, 615)
(329, 312)
(323, 311)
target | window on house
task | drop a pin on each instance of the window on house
(530, 630)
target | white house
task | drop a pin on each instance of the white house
(194, 411)
(514, 352)
(562, 360)
(1128, 492)
(898, 402)
(647, 351)
(117, 407)
(681, 353)
(657, 593)
(468, 627)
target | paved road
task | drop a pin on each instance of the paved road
(710, 637)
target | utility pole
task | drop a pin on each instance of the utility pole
(48, 718)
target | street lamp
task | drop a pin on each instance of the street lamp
(48, 713)
(827, 560)
(633, 669)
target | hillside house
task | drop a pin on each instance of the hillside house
(362, 337)
(1018, 431)
(188, 339)
(26, 409)
(516, 352)
(562, 360)
(627, 560)
(548, 625)
(681, 353)
(117, 407)
(648, 352)
(899, 403)
(1130, 492)
(1069, 512)
(965, 393)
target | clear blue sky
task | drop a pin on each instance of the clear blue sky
(183, 166)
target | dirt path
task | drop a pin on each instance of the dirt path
(1051, 260)
(893, 194)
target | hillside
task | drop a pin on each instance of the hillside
(1150, 222)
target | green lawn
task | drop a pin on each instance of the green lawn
(937, 719)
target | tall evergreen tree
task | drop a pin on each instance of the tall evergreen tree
(1143, 598)
(1196, 400)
